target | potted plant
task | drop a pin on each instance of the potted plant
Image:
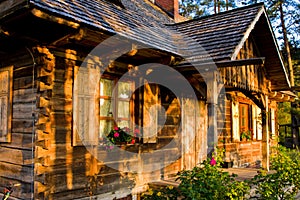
(246, 135)
(121, 136)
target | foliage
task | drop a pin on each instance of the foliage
(284, 113)
(209, 182)
(206, 181)
(284, 181)
(169, 192)
(192, 8)
(121, 135)
(246, 134)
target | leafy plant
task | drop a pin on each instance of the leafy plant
(246, 135)
(205, 181)
(121, 135)
(284, 181)
(169, 192)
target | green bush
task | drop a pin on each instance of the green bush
(209, 182)
(206, 181)
(283, 182)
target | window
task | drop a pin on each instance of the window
(115, 105)
(244, 117)
(98, 105)
(5, 103)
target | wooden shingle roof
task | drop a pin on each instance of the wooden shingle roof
(138, 20)
(216, 38)
(223, 35)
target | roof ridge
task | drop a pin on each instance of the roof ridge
(220, 13)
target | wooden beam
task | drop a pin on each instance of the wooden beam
(219, 64)
(212, 101)
(43, 15)
(265, 137)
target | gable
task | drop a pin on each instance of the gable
(224, 35)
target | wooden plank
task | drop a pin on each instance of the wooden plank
(23, 111)
(21, 173)
(24, 95)
(20, 141)
(23, 83)
(16, 156)
(22, 125)
(23, 191)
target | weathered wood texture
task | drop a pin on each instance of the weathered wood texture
(17, 156)
(249, 77)
(243, 153)
(64, 170)
(224, 119)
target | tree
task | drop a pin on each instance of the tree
(195, 8)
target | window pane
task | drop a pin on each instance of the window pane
(105, 107)
(106, 87)
(105, 127)
(123, 123)
(123, 109)
(124, 90)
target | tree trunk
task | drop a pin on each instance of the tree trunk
(227, 5)
(215, 6)
(286, 45)
(295, 129)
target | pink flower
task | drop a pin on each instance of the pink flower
(116, 128)
(136, 132)
(132, 141)
(213, 162)
(116, 134)
(111, 147)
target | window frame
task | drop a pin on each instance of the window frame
(114, 98)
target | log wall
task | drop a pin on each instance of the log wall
(17, 156)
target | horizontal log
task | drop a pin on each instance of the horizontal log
(20, 173)
(23, 111)
(24, 95)
(16, 156)
(20, 141)
(61, 104)
(22, 125)
(21, 191)
(24, 82)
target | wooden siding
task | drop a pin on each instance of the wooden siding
(248, 77)
(17, 156)
(63, 170)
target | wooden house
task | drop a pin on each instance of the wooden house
(72, 70)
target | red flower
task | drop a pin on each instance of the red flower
(116, 128)
(116, 134)
(132, 141)
(136, 131)
(213, 162)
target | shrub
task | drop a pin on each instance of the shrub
(209, 182)
(206, 181)
(283, 182)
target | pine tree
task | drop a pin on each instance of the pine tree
(196, 8)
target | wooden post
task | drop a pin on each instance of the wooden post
(265, 137)
(212, 101)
